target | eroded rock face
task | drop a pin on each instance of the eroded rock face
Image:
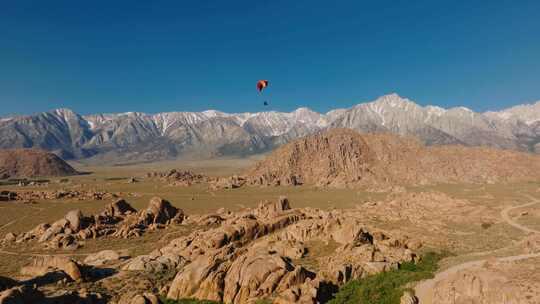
(259, 273)
(230, 257)
(250, 256)
(42, 265)
(345, 158)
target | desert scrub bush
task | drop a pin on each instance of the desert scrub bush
(387, 287)
(486, 225)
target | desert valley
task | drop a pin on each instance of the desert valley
(269, 152)
(329, 215)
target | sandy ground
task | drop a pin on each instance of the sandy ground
(425, 290)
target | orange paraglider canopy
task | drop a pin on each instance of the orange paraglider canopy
(261, 84)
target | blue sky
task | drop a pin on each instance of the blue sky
(154, 56)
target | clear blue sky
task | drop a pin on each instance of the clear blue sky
(154, 56)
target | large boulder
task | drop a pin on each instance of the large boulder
(118, 208)
(103, 257)
(271, 209)
(145, 298)
(203, 278)
(45, 264)
(75, 220)
(258, 274)
(161, 211)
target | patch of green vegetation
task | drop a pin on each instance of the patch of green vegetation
(388, 287)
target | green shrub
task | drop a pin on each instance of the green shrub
(387, 287)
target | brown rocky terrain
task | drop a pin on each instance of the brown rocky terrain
(29, 163)
(345, 158)
(80, 195)
(118, 219)
(234, 257)
(176, 177)
(510, 282)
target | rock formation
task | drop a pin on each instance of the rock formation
(178, 177)
(250, 255)
(29, 163)
(118, 219)
(345, 158)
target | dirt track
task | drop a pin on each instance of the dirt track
(424, 290)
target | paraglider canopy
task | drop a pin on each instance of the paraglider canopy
(261, 84)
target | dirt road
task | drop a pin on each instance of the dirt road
(425, 289)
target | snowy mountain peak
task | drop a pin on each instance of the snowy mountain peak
(65, 113)
(527, 113)
(171, 134)
(214, 113)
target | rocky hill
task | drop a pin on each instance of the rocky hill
(342, 157)
(140, 136)
(29, 163)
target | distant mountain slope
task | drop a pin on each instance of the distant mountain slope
(343, 157)
(140, 136)
(29, 163)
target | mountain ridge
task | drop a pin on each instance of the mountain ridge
(143, 136)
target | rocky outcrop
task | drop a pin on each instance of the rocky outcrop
(177, 177)
(158, 214)
(45, 264)
(345, 158)
(118, 219)
(146, 298)
(259, 273)
(29, 163)
(79, 195)
(250, 255)
(231, 182)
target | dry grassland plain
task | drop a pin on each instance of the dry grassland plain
(483, 234)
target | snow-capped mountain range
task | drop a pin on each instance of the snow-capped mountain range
(141, 136)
